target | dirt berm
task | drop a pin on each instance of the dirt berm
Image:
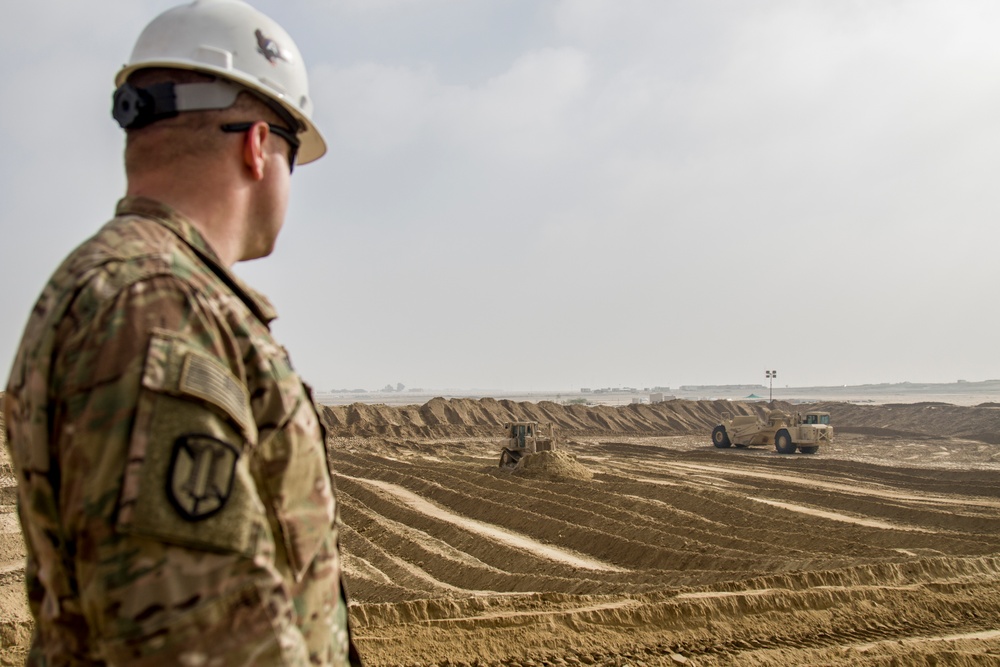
(471, 417)
(449, 418)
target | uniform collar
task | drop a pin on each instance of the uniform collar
(182, 226)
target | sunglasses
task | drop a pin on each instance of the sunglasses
(282, 132)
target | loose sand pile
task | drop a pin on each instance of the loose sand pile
(465, 417)
(443, 418)
(552, 465)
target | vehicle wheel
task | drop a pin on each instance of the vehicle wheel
(783, 442)
(719, 437)
(811, 449)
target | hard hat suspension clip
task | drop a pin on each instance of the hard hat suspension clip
(138, 107)
(135, 107)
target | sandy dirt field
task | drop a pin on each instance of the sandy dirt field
(641, 544)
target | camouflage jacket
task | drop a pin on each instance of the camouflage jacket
(173, 485)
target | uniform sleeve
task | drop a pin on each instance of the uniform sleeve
(174, 555)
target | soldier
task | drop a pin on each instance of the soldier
(173, 485)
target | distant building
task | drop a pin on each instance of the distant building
(722, 387)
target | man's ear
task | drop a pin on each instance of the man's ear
(253, 149)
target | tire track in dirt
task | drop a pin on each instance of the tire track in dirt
(483, 565)
(507, 508)
(711, 628)
(888, 494)
(574, 502)
(489, 531)
(732, 508)
(847, 584)
(957, 522)
(630, 546)
(959, 526)
(836, 516)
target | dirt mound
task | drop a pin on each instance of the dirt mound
(552, 465)
(458, 417)
(980, 423)
(464, 417)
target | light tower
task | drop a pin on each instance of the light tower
(770, 383)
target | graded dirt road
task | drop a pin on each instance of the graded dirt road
(647, 546)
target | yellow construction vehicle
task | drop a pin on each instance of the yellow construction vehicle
(523, 439)
(786, 432)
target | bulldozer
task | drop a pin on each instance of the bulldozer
(523, 439)
(785, 431)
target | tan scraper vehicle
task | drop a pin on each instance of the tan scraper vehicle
(786, 432)
(523, 439)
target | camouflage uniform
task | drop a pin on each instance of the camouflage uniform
(172, 476)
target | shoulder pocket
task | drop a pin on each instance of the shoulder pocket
(187, 478)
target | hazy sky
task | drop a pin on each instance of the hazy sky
(550, 194)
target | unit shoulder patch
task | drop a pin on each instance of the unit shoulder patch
(200, 476)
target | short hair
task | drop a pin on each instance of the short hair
(190, 134)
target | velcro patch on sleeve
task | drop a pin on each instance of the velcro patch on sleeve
(208, 380)
(187, 477)
(174, 367)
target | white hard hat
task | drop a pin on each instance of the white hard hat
(234, 42)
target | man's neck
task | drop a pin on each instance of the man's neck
(216, 210)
